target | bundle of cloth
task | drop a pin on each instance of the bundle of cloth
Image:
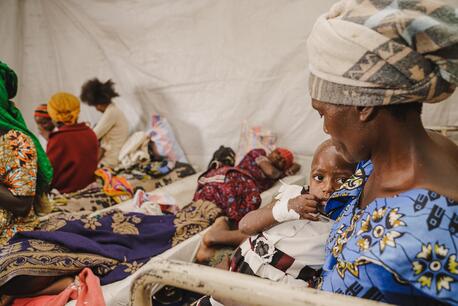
(106, 191)
(145, 163)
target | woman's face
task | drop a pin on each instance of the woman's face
(348, 133)
(277, 160)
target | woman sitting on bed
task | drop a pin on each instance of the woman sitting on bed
(112, 130)
(237, 190)
(73, 147)
(25, 171)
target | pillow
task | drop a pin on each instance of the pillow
(255, 137)
(162, 134)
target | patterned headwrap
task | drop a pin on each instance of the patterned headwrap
(64, 107)
(41, 111)
(287, 156)
(378, 52)
(11, 119)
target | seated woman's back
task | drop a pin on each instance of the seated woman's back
(72, 151)
(73, 147)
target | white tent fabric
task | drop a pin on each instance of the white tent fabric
(207, 65)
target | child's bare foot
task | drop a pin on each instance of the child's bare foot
(211, 236)
(205, 253)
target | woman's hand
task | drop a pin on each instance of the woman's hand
(293, 169)
(17, 205)
(306, 205)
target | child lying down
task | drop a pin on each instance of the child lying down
(287, 237)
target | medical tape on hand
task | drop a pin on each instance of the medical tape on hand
(280, 210)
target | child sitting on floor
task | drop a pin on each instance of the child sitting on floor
(287, 245)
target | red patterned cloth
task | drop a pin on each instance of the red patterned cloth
(232, 189)
(250, 164)
(236, 190)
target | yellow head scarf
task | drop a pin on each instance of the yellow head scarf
(64, 107)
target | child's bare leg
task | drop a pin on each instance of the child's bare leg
(205, 253)
(220, 234)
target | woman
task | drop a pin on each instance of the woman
(237, 190)
(25, 171)
(43, 121)
(112, 130)
(73, 147)
(372, 66)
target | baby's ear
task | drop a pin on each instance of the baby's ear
(366, 113)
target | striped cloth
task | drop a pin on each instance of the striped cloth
(291, 252)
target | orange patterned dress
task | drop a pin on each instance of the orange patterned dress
(18, 172)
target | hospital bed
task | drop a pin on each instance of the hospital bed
(118, 293)
(237, 287)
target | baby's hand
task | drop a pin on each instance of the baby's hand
(306, 205)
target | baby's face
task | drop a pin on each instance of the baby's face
(329, 172)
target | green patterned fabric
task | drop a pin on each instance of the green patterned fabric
(11, 119)
(378, 52)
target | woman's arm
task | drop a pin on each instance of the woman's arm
(105, 123)
(293, 169)
(269, 170)
(17, 205)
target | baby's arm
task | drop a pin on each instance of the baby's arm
(257, 221)
(262, 219)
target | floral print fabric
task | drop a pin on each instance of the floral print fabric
(18, 163)
(18, 172)
(400, 250)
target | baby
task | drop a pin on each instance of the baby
(286, 239)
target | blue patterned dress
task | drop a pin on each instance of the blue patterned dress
(400, 250)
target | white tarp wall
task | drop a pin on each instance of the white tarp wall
(206, 65)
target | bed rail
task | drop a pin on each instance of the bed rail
(236, 287)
